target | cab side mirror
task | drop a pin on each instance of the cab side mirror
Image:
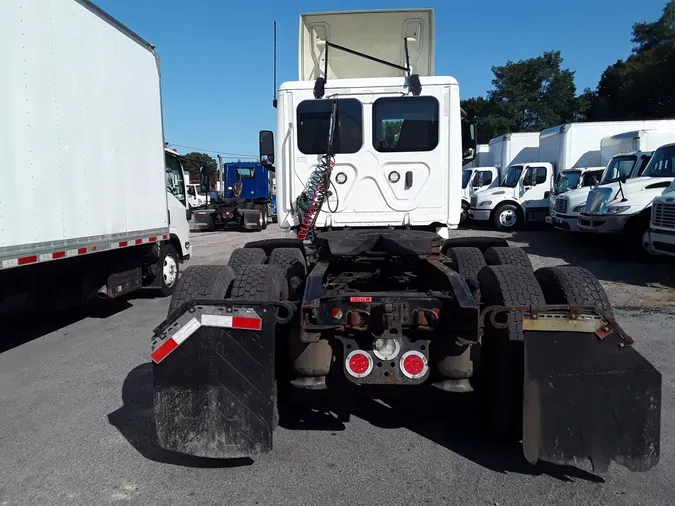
(266, 138)
(623, 178)
(469, 143)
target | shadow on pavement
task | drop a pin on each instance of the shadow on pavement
(454, 423)
(17, 329)
(135, 421)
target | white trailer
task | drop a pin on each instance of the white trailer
(526, 188)
(397, 155)
(84, 208)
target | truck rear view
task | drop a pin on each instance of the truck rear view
(376, 308)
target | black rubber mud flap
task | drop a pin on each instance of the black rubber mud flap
(589, 398)
(213, 376)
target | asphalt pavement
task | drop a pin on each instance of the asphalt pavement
(76, 424)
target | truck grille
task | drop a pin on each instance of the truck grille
(474, 201)
(663, 215)
(561, 204)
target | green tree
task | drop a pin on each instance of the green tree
(528, 96)
(195, 160)
(642, 86)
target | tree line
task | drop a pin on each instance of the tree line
(537, 93)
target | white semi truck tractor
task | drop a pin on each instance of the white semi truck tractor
(366, 298)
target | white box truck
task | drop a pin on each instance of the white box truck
(627, 155)
(624, 207)
(512, 148)
(524, 194)
(91, 203)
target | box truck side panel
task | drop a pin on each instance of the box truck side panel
(82, 135)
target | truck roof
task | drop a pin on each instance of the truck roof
(377, 33)
(396, 83)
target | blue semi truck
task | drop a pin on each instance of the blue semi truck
(247, 200)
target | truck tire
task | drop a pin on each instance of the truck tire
(263, 217)
(464, 213)
(468, 262)
(506, 217)
(507, 256)
(264, 283)
(241, 257)
(292, 262)
(201, 282)
(568, 284)
(502, 351)
(169, 269)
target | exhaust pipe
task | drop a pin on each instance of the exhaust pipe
(102, 292)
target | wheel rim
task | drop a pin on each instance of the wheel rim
(507, 218)
(169, 270)
(260, 219)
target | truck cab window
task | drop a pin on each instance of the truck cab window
(313, 117)
(175, 182)
(539, 174)
(619, 166)
(487, 178)
(513, 176)
(405, 124)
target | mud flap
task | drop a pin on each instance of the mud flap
(213, 379)
(589, 398)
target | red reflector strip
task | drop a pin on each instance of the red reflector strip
(153, 239)
(58, 254)
(165, 237)
(240, 322)
(232, 322)
(81, 251)
(360, 299)
(27, 260)
(124, 244)
(163, 351)
(139, 241)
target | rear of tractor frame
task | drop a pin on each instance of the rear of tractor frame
(374, 312)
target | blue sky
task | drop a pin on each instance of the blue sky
(217, 55)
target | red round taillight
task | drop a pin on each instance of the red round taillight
(359, 364)
(414, 364)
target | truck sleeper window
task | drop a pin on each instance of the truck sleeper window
(246, 172)
(404, 124)
(313, 118)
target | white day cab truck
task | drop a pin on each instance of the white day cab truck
(623, 208)
(523, 196)
(366, 299)
(92, 204)
(661, 235)
(625, 154)
(474, 180)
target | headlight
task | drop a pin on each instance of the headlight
(616, 209)
(485, 203)
(579, 209)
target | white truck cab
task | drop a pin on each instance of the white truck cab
(566, 206)
(661, 235)
(397, 139)
(177, 202)
(523, 193)
(474, 180)
(195, 195)
(624, 207)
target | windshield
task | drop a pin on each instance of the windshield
(513, 176)
(174, 177)
(661, 164)
(567, 180)
(619, 166)
(466, 177)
